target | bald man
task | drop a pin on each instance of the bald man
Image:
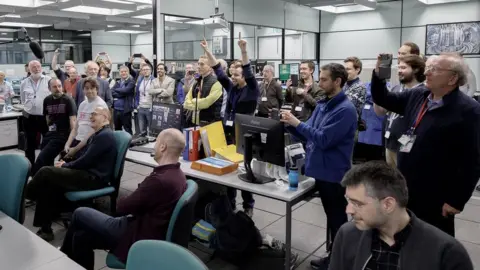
(439, 152)
(33, 91)
(146, 212)
(93, 169)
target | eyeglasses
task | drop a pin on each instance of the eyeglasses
(434, 69)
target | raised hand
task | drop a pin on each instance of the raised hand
(242, 43)
(56, 53)
(204, 44)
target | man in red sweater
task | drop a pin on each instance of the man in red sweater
(145, 214)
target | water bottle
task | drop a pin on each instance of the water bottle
(293, 179)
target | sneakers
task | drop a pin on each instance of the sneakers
(46, 235)
(320, 264)
(248, 211)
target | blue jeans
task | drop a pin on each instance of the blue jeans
(144, 120)
(248, 201)
(90, 230)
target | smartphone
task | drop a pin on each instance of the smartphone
(385, 68)
(294, 78)
(137, 55)
(191, 72)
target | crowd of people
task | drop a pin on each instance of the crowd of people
(403, 210)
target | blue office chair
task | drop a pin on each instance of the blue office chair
(154, 254)
(123, 140)
(14, 170)
(180, 225)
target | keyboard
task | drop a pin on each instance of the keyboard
(142, 149)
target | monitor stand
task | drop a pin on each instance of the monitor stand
(249, 176)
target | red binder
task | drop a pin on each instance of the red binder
(194, 144)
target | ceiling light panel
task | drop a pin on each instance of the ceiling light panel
(25, 3)
(435, 2)
(28, 25)
(96, 10)
(145, 17)
(128, 31)
(55, 13)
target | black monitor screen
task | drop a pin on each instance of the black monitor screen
(165, 116)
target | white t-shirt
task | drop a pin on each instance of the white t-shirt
(83, 116)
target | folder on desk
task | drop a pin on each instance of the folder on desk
(214, 166)
(213, 136)
(192, 144)
(229, 153)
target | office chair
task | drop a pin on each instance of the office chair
(180, 225)
(15, 169)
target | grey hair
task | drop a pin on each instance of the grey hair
(269, 68)
(123, 67)
(223, 64)
(89, 63)
(458, 66)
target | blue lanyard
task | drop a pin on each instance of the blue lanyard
(234, 100)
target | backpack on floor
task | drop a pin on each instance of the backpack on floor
(236, 238)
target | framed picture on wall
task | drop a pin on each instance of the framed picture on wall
(461, 38)
(183, 50)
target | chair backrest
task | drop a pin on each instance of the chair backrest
(14, 170)
(180, 226)
(122, 140)
(154, 255)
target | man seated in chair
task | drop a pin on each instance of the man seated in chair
(145, 214)
(93, 169)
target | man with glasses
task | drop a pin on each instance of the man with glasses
(104, 92)
(385, 234)
(69, 64)
(143, 99)
(91, 170)
(439, 150)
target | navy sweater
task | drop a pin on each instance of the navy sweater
(444, 162)
(99, 156)
(329, 134)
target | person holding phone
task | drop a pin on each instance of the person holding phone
(304, 95)
(440, 144)
(242, 95)
(61, 75)
(185, 83)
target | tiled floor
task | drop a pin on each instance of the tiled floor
(308, 235)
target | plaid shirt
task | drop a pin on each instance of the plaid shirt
(384, 256)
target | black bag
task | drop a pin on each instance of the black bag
(236, 238)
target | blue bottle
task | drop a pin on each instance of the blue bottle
(293, 179)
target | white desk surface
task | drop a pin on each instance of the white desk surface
(23, 250)
(10, 114)
(271, 189)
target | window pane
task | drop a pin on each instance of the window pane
(300, 45)
(182, 38)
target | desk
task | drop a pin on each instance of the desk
(270, 190)
(23, 250)
(9, 129)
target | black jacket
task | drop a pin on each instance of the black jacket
(127, 93)
(426, 248)
(444, 161)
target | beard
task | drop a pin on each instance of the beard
(406, 78)
(36, 76)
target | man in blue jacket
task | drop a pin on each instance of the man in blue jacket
(104, 92)
(92, 170)
(123, 93)
(329, 135)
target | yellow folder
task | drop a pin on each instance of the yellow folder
(228, 153)
(213, 136)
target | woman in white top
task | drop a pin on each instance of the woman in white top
(6, 89)
(79, 135)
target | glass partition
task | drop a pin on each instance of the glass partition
(182, 38)
(300, 45)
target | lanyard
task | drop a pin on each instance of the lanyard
(266, 86)
(420, 115)
(35, 86)
(145, 82)
(234, 100)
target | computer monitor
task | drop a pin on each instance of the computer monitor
(165, 115)
(259, 138)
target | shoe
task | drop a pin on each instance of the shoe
(320, 264)
(248, 211)
(46, 235)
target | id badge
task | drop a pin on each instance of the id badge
(52, 128)
(264, 98)
(407, 146)
(229, 123)
(387, 134)
(367, 106)
(298, 108)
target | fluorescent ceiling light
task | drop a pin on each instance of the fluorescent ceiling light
(8, 30)
(434, 2)
(54, 13)
(96, 10)
(344, 9)
(145, 17)
(129, 31)
(11, 16)
(119, 1)
(26, 3)
(141, 1)
(18, 24)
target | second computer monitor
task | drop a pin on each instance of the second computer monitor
(266, 136)
(165, 115)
